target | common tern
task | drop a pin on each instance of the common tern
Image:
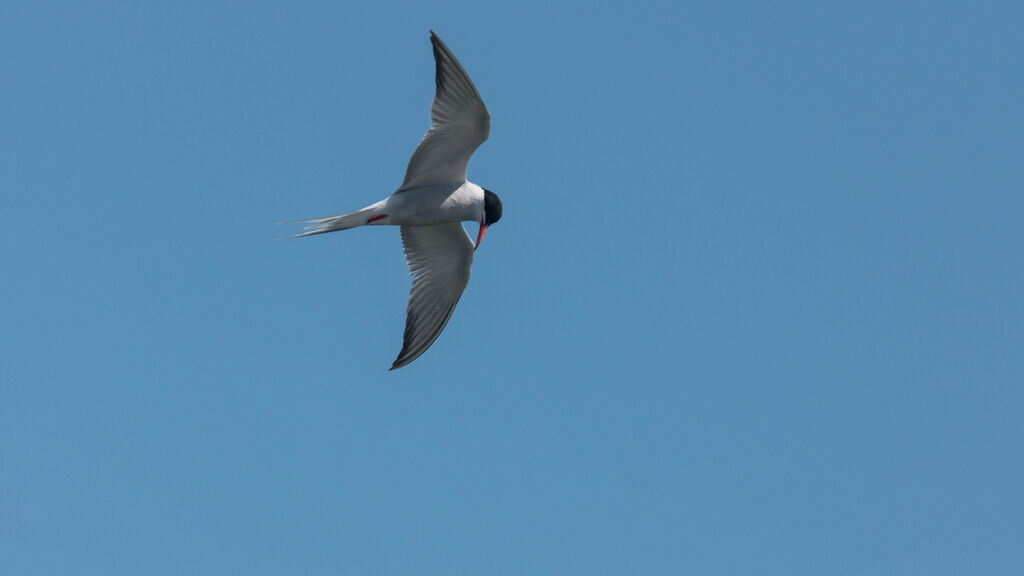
(431, 204)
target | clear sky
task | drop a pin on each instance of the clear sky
(754, 306)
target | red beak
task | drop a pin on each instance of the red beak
(480, 235)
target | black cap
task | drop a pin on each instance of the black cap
(492, 207)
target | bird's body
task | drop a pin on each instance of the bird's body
(432, 202)
(423, 206)
(436, 204)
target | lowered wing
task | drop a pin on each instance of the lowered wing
(439, 259)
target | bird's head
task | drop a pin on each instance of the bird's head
(492, 213)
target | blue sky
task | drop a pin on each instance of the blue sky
(754, 305)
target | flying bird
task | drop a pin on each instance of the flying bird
(431, 204)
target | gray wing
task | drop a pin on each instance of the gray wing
(439, 259)
(459, 124)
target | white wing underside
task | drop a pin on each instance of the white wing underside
(439, 259)
(459, 124)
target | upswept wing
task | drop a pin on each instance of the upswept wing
(439, 259)
(459, 124)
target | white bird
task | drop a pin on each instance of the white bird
(431, 203)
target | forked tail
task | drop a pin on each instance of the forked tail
(340, 222)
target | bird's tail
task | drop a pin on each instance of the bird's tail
(339, 222)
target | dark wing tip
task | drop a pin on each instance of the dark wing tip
(404, 359)
(407, 355)
(441, 50)
(409, 352)
(439, 75)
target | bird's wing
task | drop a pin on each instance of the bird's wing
(439, 259)
(459, 124)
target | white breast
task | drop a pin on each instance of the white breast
(436, 205)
